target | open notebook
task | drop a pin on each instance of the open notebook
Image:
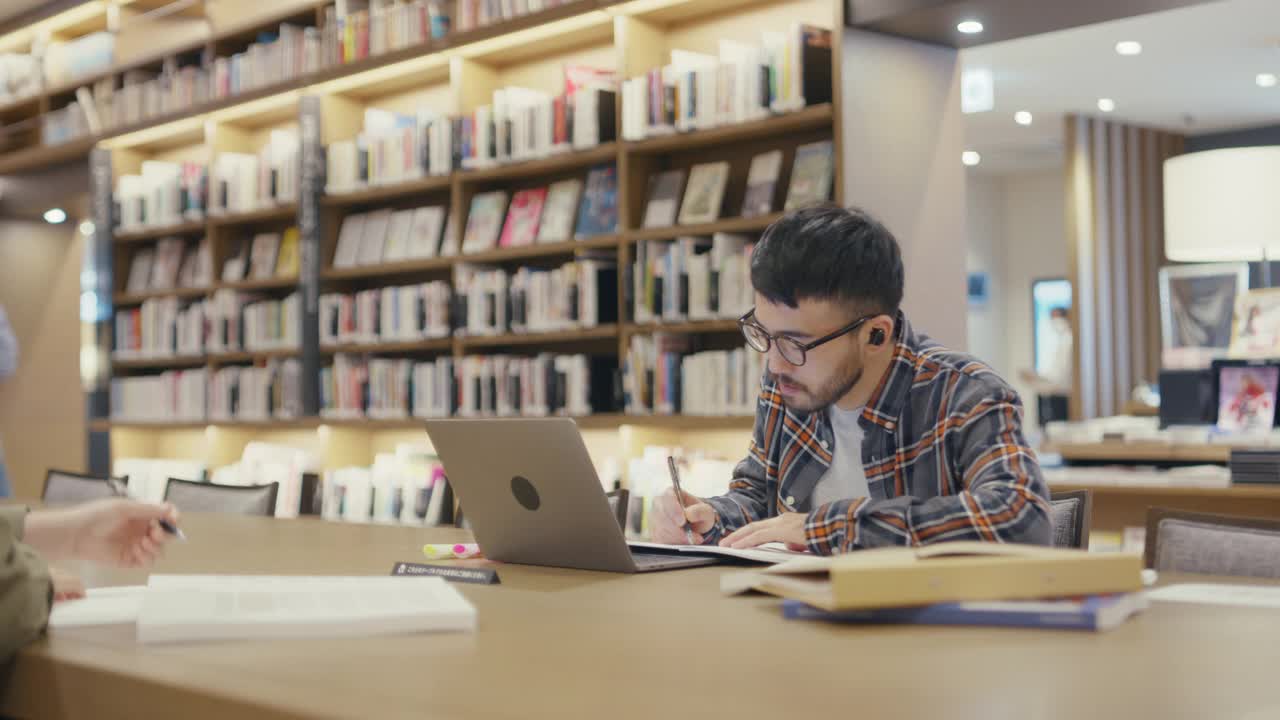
(769, 553)
(175, 608)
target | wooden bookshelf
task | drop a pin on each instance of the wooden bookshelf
(413, 346)
(272, 283)
(383, 193)
(250, 356)
(139, 298)
(579, 159)
(165, 363)
(811, 118)
(603, 332)
(389, 270)
(282, 213)
(728, 225)
(548, 250)
(186, 228)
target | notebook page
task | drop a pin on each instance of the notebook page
(99, 606)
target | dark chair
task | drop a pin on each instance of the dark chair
(620, 503)
(206, 497)
(1191, 542)
(1070, 510)
(67, 488)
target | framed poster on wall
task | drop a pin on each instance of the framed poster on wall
(1197, 304)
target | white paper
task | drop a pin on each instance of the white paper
(100, 606)
(1210, 594)
(770, 553)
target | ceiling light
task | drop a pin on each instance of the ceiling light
(1266, 80)
(53, 216)
(1129, 47)
(87, 227)
(970, 27)
(1022, 117)
(1106, 105)
(970, 158)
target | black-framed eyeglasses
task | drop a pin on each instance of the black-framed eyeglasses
(791, 350)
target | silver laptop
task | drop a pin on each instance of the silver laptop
(532, 496)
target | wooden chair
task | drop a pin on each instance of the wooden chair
(1070, 511)
(206, 497)
(62, 487)
(1192, 542)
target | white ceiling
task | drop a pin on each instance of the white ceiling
(1195, 75)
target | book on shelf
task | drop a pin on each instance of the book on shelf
(402, 313)
(407, 487)
(278, 169)
(162, 194)
(559, 211)
(237, 263)
(663, 204)
(287, 263)
(160, 328)
(343, 387)
(660, 375)
(579, 294)
(523, 216)
(140, 265)
(811, 175)
(481, 295)
(484, 221)
(1091, 612)
(171, 396)
(525, 124)
(425, 229)
(256, 394)
(538, 386)
(347, 254)
(598, 212)
(271, 324)
(168, 262)
(762, 184)
(262, 255)
(235, 184)
(785, 72)
(373, 241)
(397, 245)
(692, 278)
(704, 193)
(196, 270)
(474, 14)
(450, 243)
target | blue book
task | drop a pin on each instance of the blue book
(598, 214)
(1092, 612)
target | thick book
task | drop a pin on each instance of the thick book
(1090, 612)
(178, 608)
(944, 572)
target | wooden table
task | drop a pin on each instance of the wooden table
(562, 643)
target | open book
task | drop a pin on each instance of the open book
(770, 553)
(222, 607)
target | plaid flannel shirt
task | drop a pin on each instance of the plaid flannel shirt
(943, 452)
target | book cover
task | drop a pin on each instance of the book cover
(810, 175)
(449, 241)
(424, 232)
(598, 214)
(237, 262)
(373, 241)
(484, 221)
(762, 184)
(168, 261)
(262, 258)
(665, 189)
(397, 247)
(1247, 398)
(1090, 612)
(287, 261)
(704, 194)
(348, 250)
(522, 218)
(559, 211)
(140, 270)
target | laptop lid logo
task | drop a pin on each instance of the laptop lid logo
(525, 493)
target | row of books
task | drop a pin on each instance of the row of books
(698, 195)
(474, 14)
(267, 255)
(473, 386)
(244, 182)
(697, 91)
(390, 314)
(578, 294)
(170, 263)
(524, 124)
(357, 29)
(385, 236)
(159, 328)
(270, 392)
(173, 396)
(540, 215)
(660, 375)
(162, 194)
(393, 148)
(251, 322)
(407, 486)
(692, 278)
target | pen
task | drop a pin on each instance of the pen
(164, 524)
(675, 483)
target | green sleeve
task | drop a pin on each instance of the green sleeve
(26, 592)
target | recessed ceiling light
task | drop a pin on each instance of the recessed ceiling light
(87, 227)
(1129, 47)
(53, 216)
(1106, 104)
(1266, 80)
(970, 27)
(970, 158)
(1022, 117)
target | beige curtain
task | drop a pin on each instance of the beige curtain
(1115, 239)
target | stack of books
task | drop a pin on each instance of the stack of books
(1253, 467)
(957, 583)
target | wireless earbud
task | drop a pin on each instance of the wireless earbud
(877, 336)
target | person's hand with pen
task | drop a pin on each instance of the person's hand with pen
(679, 518)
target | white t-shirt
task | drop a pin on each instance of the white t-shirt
(846, 478)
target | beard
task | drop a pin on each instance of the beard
(835, 387)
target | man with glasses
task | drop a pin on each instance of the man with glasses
(866, 433)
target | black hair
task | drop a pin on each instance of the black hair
(1058, 310)
(826, 252)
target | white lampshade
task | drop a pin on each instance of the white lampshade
(1222, 205)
